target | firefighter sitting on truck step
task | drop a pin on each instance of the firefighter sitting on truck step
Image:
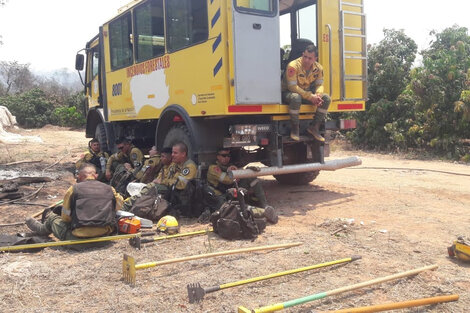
(303, 83)
(129, 156)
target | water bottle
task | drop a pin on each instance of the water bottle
(103, 164)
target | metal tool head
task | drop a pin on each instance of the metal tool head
(136, 242)
(128, 269)
(195, 292)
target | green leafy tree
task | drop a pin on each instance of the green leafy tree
(32, 108)
(382, 125)
(441, 88)
(389, 64)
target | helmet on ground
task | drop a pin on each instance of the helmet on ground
(168, 224)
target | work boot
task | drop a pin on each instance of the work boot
(270, 214)
(37, 227)
(294, 126)
(294, 133)
(315, 132)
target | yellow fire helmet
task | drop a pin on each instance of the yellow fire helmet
(168, 224)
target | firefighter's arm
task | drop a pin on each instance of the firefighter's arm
(188, 173)
(319, 90)
(119, 200)
(292, 84)
(111, 159)
(66, 206)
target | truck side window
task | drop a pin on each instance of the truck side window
(120, 41)
(186, 23)
(149, 30)
(264, 7)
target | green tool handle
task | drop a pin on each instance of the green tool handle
(298, 270)
(321, 295)
(214, 254)
(67, 242)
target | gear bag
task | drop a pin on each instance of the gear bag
(121, 178)
(233, 222)
(149, 205)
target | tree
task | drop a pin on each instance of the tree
(441, 88)
(389, 64)
(385, 119)
(15, 77)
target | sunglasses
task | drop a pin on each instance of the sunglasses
(225, 155)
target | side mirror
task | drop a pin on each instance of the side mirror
(79, 61)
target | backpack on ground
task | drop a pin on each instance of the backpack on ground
(231, 221)
(121, 178)
(150, 205)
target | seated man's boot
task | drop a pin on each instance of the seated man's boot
(315, 132)
(270, 214)
(37, 227)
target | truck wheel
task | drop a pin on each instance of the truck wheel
(179, 133)
(100, 134)
(296, 154)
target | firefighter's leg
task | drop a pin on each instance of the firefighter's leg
(319, 118)
(59, 228)
(294, 100)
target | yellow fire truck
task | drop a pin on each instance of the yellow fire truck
(208, 73)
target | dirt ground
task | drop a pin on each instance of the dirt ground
(398, 214)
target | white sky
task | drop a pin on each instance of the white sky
(48, 33)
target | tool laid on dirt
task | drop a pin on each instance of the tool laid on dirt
(398, 305)
(321, 295)
(197, 293)
(67, 242)
(129, 267)
(460, 250)
(137, 241)
(34, 215)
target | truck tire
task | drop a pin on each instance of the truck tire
(100, 134)
(179, 133)
(300, 156)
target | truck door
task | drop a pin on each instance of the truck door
(93, 79)
(256, 52)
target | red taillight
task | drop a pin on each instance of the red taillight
(177, 118)
(264, 141)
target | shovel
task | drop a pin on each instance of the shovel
(197, 293)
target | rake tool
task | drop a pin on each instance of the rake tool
(197, 293)
(321, 295)
(66, 242)
(129, 267)
(137, 242)
(398, 305)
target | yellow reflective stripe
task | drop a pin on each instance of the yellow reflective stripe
(222, 177)
(184, 180)
(292, 82)
(319, 82)
(294, 111)
(320, 110)
(66, 211)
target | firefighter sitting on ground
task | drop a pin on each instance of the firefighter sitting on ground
(219, 180)
(151, 167)
(95, 156)
(173, 179)
(303, 83)
(89, 210)
(129, 156)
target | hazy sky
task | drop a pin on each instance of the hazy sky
(48, 33)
